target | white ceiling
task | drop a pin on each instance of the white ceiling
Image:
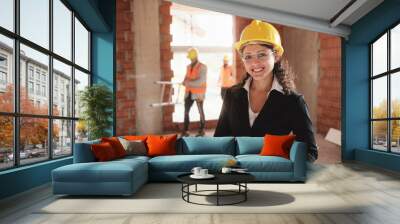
(320, 9)
(315, 15)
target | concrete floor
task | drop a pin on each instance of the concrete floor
(376, 189)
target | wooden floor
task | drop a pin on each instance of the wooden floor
(379, 189)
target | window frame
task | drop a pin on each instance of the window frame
(16, 114)
(388, 74)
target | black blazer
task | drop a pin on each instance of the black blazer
(280, 115)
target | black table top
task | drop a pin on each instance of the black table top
(220, 178)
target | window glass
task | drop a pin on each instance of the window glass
(395, 47)
(81, 45)
(81, 131)
(379, 55)
(6, 142)
(7, 14)
(35, 21)
(62, 141)
(6, 74)
(31, 58)
(379, 135)
(379, 97)
(395, 95)
(81, 81)
(62, 29)
(62, 91)
(33, 140)
(395, 136)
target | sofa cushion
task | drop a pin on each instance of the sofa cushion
(134, 147)
(277, 145)
(103, 152)
(159, 145)
(185, 163)
(134, 157)
(117, 146)
(257, 163)
(249, 145)
(207, 145)
(112, 171)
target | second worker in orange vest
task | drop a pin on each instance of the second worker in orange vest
(226, 78)
(195, 83)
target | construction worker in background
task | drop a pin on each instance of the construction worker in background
(226, 78)
(195, 83)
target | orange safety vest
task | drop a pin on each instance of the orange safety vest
(192, 74)
(226, 77)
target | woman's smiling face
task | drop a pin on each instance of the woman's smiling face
(258, 60)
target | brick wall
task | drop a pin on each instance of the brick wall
(126, 84)
(165, 60)
(329, 88)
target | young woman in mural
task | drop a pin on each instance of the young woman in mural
(265, 102)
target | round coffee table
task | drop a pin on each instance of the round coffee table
(238, 179)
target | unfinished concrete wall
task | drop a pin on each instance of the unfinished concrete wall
(302, 52)
(147, 64)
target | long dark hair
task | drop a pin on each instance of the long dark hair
(285, 76)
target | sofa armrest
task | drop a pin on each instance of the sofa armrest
(298, 155)
(83, 152)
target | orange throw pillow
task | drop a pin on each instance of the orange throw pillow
(103, 152)
(277, 145)
(136, 137)
(116, 145)
(159, 145)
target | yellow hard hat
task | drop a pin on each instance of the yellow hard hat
(192, 53)
(226, 57)
(259, 31)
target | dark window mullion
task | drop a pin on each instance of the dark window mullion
(43, 50)
(384, 119)
(16, 84)
(73, 81)
(89, 55)
(47, 52)
(389, 114)
(84, 70)
(371, 132)
(50, 87)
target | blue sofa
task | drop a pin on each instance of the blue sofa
(125, 176)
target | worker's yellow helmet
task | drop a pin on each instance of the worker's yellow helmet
(226, 57)
(192, 53)
(260, 32)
